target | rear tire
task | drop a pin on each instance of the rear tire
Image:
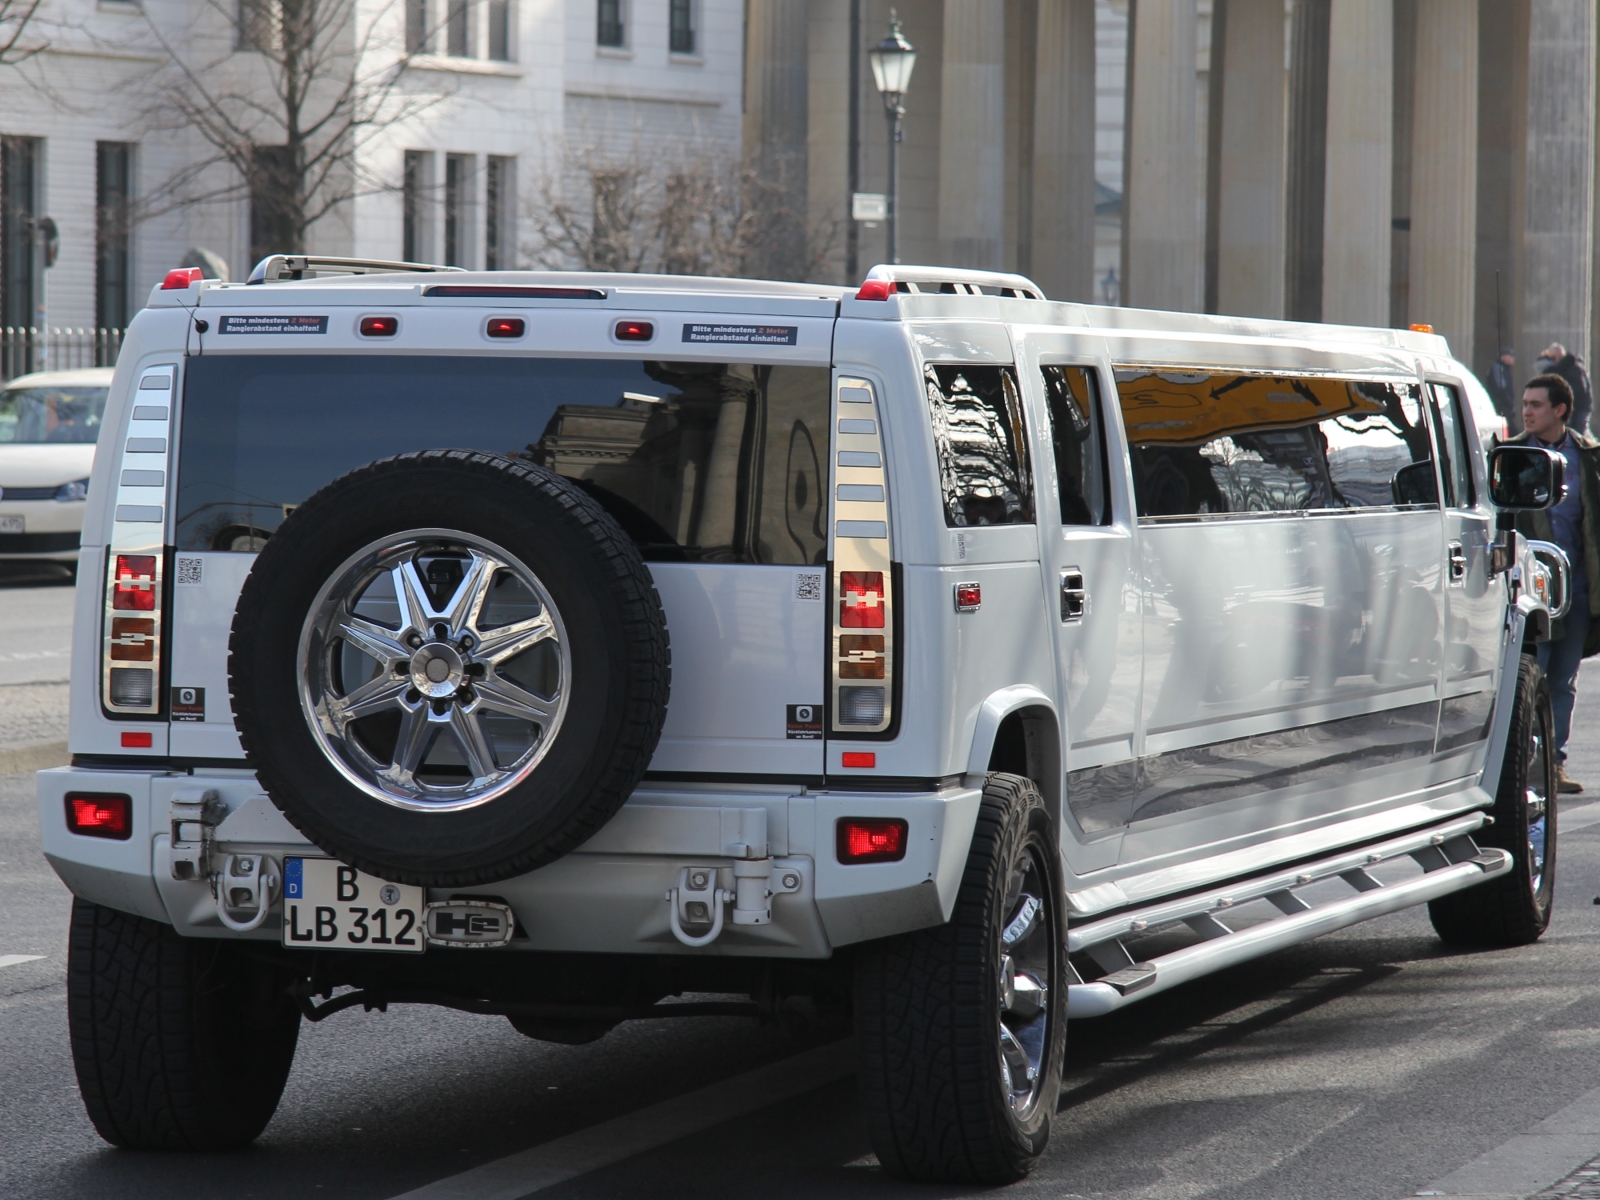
(944, 1102)
(1514, 909)
(179, 1043)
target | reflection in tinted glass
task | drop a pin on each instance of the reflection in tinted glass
(983, 454)
(696, 461)
(1208, 443)
(1073, 402)
(51, 414)
(1453, 454)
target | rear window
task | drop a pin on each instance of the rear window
(1219, 443)
(706, 462)
(39, 415)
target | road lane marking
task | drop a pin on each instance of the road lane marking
(530, 1171)
(1577, 818)
(1531, 1161)
(11, 960)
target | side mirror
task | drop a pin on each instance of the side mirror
(1526, 477)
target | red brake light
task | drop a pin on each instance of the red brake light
(135, 584)
(506, 327)
(95, 815)
(875, 289)
(861, 599)
(969, 596)
(137, 741)
(635, 331)
(871, 839)
(380, 326)
(181, 277)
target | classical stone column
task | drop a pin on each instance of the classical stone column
(1249, 162)
(1356, 201)
(1161, 183)
(777, 35)
(1063, 151)
(1558, 229)
(1306, 186)
(972, 134)
(1444, 171)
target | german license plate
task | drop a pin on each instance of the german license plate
(329, 906)
(12, 525)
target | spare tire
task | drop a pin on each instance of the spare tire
(449, 667)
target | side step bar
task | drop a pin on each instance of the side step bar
(1449, 858)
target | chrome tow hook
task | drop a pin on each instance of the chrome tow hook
(698, 900)
(247, 883)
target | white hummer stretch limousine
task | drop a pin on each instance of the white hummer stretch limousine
(1026, 660)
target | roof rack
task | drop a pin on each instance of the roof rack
(955, 281)
(308, 266)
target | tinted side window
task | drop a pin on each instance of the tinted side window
(1206, 443)
(1079, 443)
(1453, 447)
(984, 473)
(707, 462)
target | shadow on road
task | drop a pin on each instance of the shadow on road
(18, 573)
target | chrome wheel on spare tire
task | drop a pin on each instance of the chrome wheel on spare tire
(449, 668)
(433, 669)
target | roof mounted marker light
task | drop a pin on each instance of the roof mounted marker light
(506, 327)
(181, 277)
(875, 289)
(380, 326)
(1420, 328)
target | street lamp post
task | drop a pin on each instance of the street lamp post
(892, 60)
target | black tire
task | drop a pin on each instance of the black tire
(1514, 910)
(613, 626)
(179, 1043)
(928, 1013)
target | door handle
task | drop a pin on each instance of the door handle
(1458, 562)
(1074, 597)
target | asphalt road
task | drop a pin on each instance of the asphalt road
(1365, 1064)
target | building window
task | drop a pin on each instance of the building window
(458, 183)
(681, 18)
(19, 265)
(416, 26)
(414, 187)
(500, 30)
(113, 189)
(609, 31)
(273, 227)
(499, 214)
(458, 29)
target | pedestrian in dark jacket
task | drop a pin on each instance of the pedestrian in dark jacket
(1501, 385)
(1556, 361)
(1574, 525)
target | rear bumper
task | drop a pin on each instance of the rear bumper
(608, 896)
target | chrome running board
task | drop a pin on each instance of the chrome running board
(1449, 858)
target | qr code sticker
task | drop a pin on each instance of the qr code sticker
(191, 571)
(808, 585)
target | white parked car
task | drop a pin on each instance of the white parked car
(1026, 660)
(49, 422)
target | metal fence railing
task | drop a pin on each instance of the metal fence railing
(26, 348)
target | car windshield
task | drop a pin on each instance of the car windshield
(35, 415)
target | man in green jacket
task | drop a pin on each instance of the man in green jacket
(1574, 525)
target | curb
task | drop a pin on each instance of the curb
(15, 760)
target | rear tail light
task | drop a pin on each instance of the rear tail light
(635, 331)
(95, 815)
(506, 327)
(862, 679)
(131, 655)
(380, 326)
(871, 839)
(141, 739)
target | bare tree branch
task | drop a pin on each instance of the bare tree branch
(14, 18)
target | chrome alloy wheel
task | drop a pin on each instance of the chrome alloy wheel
(434, 670)
(1026, 952)
(1538, 805)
